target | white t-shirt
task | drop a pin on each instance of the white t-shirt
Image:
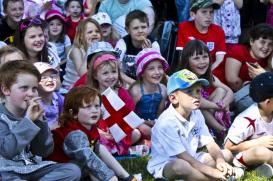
(249, 125)
(61, 47)
(172, 135)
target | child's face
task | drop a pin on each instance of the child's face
(90, 113)
(203, 17)
(21, 92)
(188, 99)
(15, 11)
(74, 9)
(34, 39)
(91, 33)
(199, 63)
(107, 75)
(138, 30)
(153, 72)
(261, 48)
(55, 27)
(106, 29)
(11, 57)
(48, 81)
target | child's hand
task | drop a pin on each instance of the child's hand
(146, 43)
(34, 110)
(254, 69)
(106, 135)
(225, 168)
(219, 175)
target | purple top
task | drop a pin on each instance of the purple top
(52, 112)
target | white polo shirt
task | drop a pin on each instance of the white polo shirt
(172, 134)
(249, 125)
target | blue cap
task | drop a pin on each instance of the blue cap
(183, 79)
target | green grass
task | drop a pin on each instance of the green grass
(138, 165)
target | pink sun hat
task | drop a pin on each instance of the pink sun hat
(54, 13)
(145, 56)
(43, 67)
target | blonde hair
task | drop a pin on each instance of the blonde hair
(79, 40)
(114, 36)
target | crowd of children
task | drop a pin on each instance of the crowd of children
(209, 120)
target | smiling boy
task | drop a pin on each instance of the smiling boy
(25, 137)
(14, 10)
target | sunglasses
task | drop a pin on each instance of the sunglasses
(30, 22)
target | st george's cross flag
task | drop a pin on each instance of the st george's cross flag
(119, 119)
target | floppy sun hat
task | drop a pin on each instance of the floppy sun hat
(147, 55)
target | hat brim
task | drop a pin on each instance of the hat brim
(161, 59)
(202, 82)
(52, 16)
(212, 4)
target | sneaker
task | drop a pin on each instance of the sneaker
(238, 164)
(264, 170)
(139, 150)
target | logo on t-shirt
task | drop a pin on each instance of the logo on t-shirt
(210, 45)
(195, 132)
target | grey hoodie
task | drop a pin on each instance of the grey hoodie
(23, 143)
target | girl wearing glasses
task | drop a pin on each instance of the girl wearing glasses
(52, 102)
(30, 39)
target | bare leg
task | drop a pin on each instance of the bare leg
(136, 135)
(258, 155)
(218, 94)
(180, 169)
(211, 121)
(208, 160)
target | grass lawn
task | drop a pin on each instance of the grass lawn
(138, 165)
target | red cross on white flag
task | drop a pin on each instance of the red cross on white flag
(119, 119)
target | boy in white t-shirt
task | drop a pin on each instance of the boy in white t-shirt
(180, 131)
(251, 135)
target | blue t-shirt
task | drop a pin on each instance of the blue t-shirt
(115, 9)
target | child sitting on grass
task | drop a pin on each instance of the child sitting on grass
(148, 93)
(78, 138)
(180, 130)
(250, 135)
(25, 137)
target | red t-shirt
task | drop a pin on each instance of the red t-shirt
(214, 38)
(242, 54)
(71, 27)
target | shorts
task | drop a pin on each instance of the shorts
(158, 172)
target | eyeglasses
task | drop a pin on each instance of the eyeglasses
(30, 22)
(52, 76)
